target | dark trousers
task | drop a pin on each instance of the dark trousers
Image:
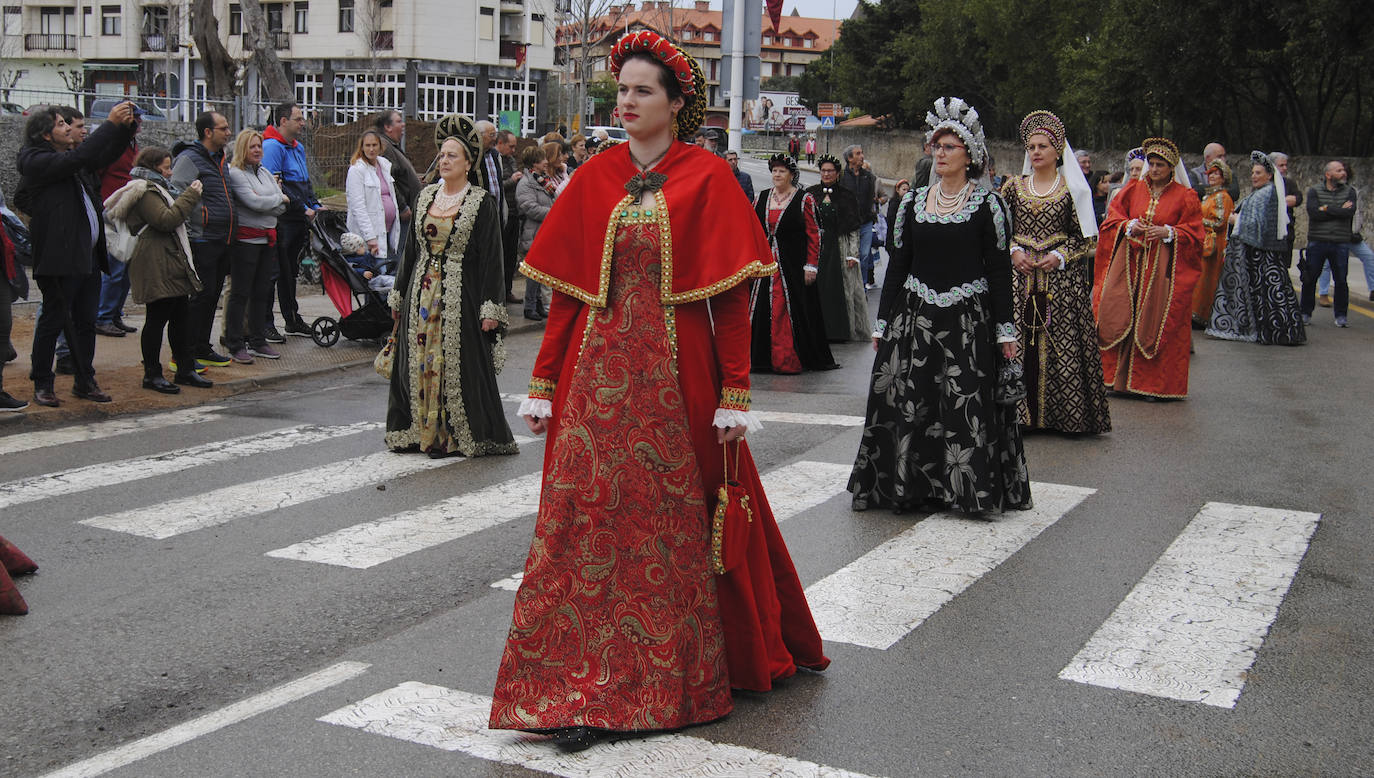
(510, 240)
(212, 265)
(69, 304)
(1319, 254)
(7, 351)
(291, 235)
(252, 268)
(173, 313)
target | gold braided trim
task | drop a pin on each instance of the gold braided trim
(627, 211)
(542, 388)
(734, 399)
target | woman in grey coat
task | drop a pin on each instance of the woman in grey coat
(258, 200)
(534, 192)
(161, 274)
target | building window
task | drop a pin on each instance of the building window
(708, 36)
(768, 40)
(536, 29)
(302, 16)
(86, 17)
(109, 20)
(686, 35)
(345, 15)
(235, 19)
(486, 24)
(274, 16)
(809, 43)
(155, 21)
(56, 21)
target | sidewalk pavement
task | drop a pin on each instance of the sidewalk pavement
(119, 365)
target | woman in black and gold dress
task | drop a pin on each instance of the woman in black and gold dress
(1053, 220)
(450, 313)
(936, 434)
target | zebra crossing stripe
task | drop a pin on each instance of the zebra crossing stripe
(457, 721)
(81, 433)
(781, 417)
(1192, 626)
(372, 543)
(791, 489)
(881, 597)
(211, 722)
(80, 479)
(210, 509)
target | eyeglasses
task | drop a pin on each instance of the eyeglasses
(948, 148)
(225, 128)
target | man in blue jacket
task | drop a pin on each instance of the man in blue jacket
(68, 234)
(284, 155)
(211, 227)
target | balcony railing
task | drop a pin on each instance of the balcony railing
(280, 40)
(43, 41)
(160, 42)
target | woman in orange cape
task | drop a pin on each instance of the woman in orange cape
(1148, 261)
(620, 624)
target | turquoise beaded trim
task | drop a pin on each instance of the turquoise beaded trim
(946, 299)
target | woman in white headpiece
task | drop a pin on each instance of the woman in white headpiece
(1052, 213)
(1255, 301)
(940, 430)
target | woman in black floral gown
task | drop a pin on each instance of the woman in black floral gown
(940, 431)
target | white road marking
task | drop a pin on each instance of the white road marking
(211, 722)
(1192, 626)
(209, 509)
(374, 542)
(882, 596)
(781, 417)
(79, 479)
(457, 721)
(791, 489)
(28, 441)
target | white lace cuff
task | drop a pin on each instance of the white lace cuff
(725, 419)
(1063, 260)
(1006, 333)
(535, 408)
(1170, 228)
(879, 327)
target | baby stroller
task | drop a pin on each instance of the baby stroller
(363, 313)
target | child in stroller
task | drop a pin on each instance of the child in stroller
(380, 274)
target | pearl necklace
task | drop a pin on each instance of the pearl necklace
(1030, 183)
(443, 201)
(947, 204)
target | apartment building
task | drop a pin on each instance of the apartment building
(786, 49)
(345, 57)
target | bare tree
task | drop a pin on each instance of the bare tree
(585, 15)
(220, 68)
(264, 44)
(11, 49)
(373, 24)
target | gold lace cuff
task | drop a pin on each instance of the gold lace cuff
(733, 399)
(542, 388)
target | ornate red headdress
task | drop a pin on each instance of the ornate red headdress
(689, 75)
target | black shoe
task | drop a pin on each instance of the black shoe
(570, 740)
(299, 328)
(92, 393)
(64, 366)
(535, 316)
(272, 336)
(46, 397)
(118, 322)
(187, 378)
(8, 403)
(212, 358)
(106, 328)
(160, 384)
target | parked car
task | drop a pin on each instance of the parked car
(11, 109)
(616, 133)
(35, 108)
(101, 107)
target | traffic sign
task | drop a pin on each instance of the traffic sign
(828, 109)
(828, 123)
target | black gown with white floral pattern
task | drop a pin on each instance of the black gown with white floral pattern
(934, 436)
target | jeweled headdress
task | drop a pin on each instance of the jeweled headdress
(785, 160)
(1260, 158)
(1280, 190)
(1163, 148)
(1220, 164)
(831, 158)
(952, 113)
(1043, 123)
(463, 130)
(688, 73)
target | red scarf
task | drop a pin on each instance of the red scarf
(717, 240)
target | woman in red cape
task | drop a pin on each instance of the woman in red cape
(642, 385)
(1149, 255)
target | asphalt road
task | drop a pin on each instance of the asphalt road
(217, 647)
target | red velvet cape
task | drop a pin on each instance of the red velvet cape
(731, 247)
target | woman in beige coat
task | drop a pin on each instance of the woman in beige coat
(161, 275)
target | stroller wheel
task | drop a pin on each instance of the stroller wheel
(325, 331)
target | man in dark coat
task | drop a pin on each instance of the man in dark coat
(68, 234)
(212, 233)
(392, 125)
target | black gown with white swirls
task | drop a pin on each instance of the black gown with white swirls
(934, 434)
(1255, 301)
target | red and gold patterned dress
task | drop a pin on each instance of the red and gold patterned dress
(619, 622)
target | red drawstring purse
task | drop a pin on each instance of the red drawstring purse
(731, 520)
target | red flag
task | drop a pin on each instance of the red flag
(774, 12)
